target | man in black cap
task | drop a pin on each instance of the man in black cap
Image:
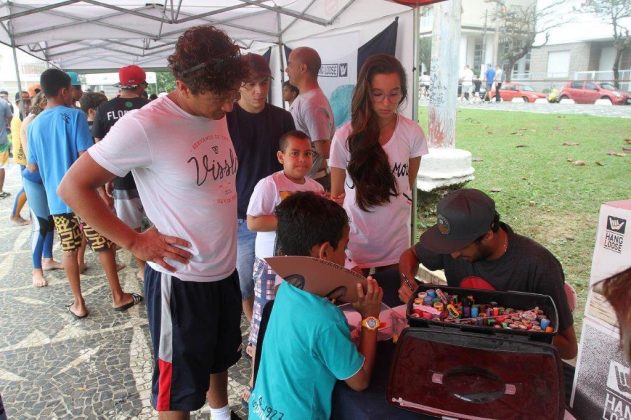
(476, 250)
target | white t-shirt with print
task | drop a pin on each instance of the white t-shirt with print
(185, 170)
(268, 194)
(378, 237)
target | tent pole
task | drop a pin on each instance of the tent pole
(281, 59)
(281, 55)
(415, 91)
(15, 57)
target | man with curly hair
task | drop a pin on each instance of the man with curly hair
(184, 165)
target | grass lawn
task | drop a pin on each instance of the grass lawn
(543, 194)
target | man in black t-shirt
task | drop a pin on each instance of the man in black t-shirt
(132, 83)
(477, 251)
(255, 128)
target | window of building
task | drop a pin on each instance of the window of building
(558, 64)
(477, 56)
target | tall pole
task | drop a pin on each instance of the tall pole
(444, 165)
(415, 81)
(15, 56)
(444, 74)
(496, 41)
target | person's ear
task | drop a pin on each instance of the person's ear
(182, 88)
(281, 157)
(325, 251)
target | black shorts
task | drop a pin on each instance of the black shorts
(195, 330)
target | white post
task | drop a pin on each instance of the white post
(444, 72)
(444, 165)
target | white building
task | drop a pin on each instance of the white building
(480, 33)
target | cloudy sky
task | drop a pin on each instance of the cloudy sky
(580, 26)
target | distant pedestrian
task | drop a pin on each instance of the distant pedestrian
(499, 79)
(466, 78)
(489, 77)
(425, 82)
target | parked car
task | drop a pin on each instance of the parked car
(587, 92)
(512, 90)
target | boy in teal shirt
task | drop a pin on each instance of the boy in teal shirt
(307, 345)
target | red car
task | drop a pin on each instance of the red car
(587, 92)
(512, 90)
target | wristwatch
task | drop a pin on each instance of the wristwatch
(371, 323)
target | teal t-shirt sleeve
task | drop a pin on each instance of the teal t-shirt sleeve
(336, 351)
(83, 137)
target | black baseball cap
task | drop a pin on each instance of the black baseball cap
(463, 216)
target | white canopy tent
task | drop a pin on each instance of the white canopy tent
(95, 36)
(98, 36)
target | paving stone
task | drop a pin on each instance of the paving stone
(96, 368)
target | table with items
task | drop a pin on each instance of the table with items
(466, 352)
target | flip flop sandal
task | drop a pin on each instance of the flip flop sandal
(136, 299)
(75, 315)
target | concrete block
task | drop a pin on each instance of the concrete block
(541, 101)
(518, 100)
(603, 102)
(566, 101)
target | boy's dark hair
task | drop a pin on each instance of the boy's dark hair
(207, 60)
(305, 220)
(282, 143)
(91, 100)
(52, 81)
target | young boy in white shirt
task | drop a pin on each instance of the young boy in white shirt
(296, 156)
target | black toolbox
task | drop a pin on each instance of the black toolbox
(516, 300)
(463, 371)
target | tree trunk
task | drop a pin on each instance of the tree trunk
(615, 68)
(508, 74)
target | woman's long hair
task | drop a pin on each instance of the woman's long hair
(368, 165)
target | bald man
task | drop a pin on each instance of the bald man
(311, 110)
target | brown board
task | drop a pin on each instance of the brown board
(317, 276)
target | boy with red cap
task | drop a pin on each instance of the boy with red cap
(132, 83)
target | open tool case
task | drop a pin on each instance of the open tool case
(478, 372)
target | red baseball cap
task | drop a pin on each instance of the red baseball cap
(131, 76)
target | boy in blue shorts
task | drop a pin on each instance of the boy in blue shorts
(296, 379)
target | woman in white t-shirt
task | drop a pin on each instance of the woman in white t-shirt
(374, 161)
